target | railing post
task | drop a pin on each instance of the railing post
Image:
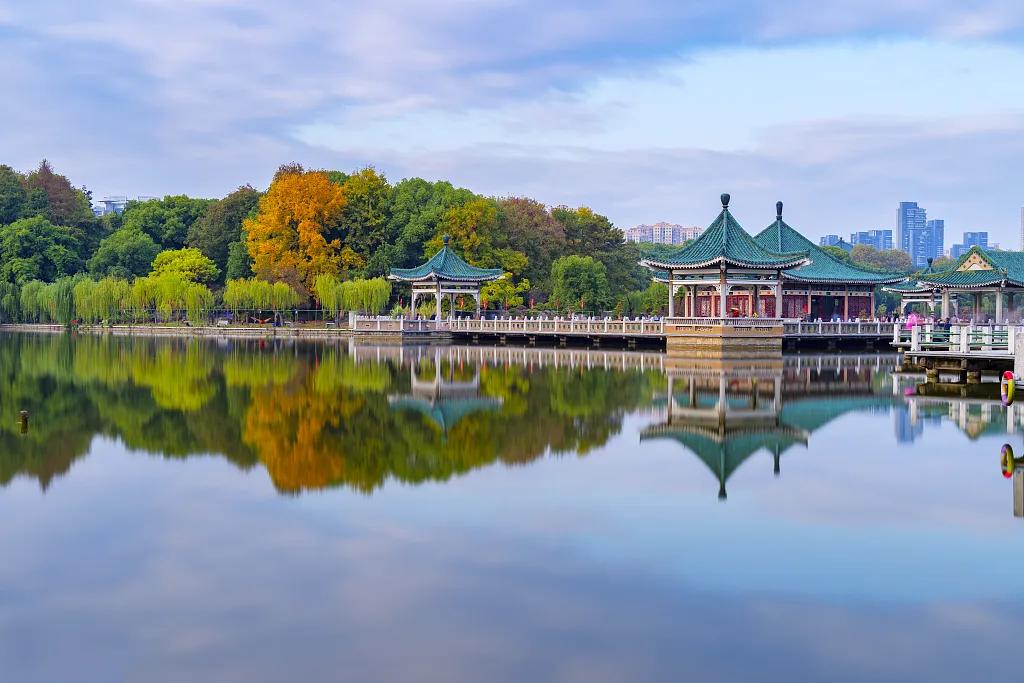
(895, 333)
(965, 339)
(915, 338)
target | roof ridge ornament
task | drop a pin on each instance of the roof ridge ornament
(778, 211)
(725, 201)
(445, 240)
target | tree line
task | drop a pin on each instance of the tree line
(312, 231)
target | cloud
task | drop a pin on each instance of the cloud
(155, 96)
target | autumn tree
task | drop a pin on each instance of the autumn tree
(889, 260)
(525, 225)
(286, 238)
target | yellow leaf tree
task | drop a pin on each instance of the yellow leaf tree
(288, 238)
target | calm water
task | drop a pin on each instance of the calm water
(183, 510)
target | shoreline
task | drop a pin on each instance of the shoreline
(207, 331)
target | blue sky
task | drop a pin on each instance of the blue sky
(643, 110)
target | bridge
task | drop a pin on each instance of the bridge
(966, 350)
(629, 332)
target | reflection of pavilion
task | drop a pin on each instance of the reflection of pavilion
(726, 416)
(444, 397)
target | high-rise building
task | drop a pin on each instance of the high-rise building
(934, 239)
(879, 239)
(663, 233)
(971, 239)
(921, 238)
(830, 240)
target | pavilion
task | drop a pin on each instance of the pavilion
(446, 273)
(977, 273)
(724, 271)
(825, 286)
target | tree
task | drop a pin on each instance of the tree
(126, 253)
(470, 227)
(943, 263)
(837, 253)
(526, 226)
(35, 249)
(191, 263)
(239, 263)
(286, 238)
(579, 283)
(417, 207)
(890, 260)
(12, 195)
(65, 204)
(220, 225)
(364, 220)
(505, 292)
(166, 220)
(587, 232)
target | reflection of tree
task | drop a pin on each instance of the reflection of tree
(311, 415)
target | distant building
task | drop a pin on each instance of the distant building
(934, 239)
(971, 239)
(921, 238)
(116, 204)
(1022, 228)
(830, 240)
(879, 239)
(663, 233)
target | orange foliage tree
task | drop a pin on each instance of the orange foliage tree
(289, 238)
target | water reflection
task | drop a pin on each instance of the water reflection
(321, 415)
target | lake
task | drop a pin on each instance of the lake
(262, 511)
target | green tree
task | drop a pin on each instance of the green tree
(166, 220)
(364, 220)
(35, 249)
(579, 283)
(587, 232)
(125, 254)
(239, 263)
(190, 263)
(943, 263)
(12, 195)
(220, 225)
(417, 208)
(837, 252)
(889, 260)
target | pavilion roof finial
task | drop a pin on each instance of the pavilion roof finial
(445, 239)
(778, 211)
(725, 200)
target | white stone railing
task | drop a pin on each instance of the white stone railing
(591, 326)
(960, 339)
(847, 329)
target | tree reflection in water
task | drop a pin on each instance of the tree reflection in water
(314, 415)
(322, 415)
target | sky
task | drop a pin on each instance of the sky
(644, 110)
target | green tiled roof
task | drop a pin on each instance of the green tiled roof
(1007, 266)
(725, 241)
(446, 265)
(907, 287)
(824, 267)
